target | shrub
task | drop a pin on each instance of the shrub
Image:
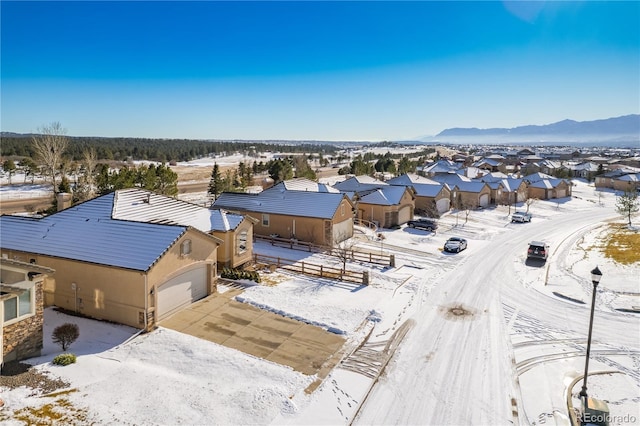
(64, 359)
(65, 334)
(237, 274)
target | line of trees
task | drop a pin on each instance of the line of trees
(160, 150)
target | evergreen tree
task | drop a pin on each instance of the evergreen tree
(627, 204)
(215, 184)
(10, 167)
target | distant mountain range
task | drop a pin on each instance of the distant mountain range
(617, 130)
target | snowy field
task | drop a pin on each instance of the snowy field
(491, 339)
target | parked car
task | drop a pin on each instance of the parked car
(538, 250)
(521, 217)
(427, 224)
(455, 245)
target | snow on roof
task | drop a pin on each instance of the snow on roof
(451, 178)
(470, 186)
(291, 203)
(410, 179)
(143, 206)
(493, 177)
(359, 183)
(387, 196)
(423, 186)
(535, 177)
(302, 184)
(87, 233)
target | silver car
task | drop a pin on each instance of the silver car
(455, 245)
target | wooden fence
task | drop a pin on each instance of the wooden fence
(313, 269)
(348, 254)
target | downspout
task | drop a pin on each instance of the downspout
(146, 302)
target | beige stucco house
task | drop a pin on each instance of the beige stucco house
(129, 272)
(234, 230)
(378, 202)
(431, 198)
(21, 309)
(544, 187)
(322, 218)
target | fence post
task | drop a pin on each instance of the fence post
(302, 263)
(392, 260)
(365, 277)
(321, 271)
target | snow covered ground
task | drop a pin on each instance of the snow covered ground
(489, 338)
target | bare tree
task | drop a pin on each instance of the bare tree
(343, 250)
(49, 146)
(86, 186)
(89, 162)
(529, 202)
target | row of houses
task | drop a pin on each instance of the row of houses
(135, 257)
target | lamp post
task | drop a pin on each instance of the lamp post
(595, 279)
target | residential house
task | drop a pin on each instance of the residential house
(548, 167)
(379, 202)
(490, 164)
(439, 167)
(546, 187)
(431, 198)
(504, 189)
(234, 230)
(129, 272)
(621, 179)
(21, 310)
(470, 195)
(586, 170)
(322, 218)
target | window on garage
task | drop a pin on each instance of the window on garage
(20, 306)
(265, 220)
(242, 242)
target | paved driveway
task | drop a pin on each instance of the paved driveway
(218, 318)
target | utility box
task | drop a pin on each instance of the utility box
(595, 412)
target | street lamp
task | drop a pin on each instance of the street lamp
(595, 279)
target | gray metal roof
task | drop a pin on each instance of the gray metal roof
(359, 183)
(144, 206)
(424, 187)
(86, 232)
(386, 196)
(302, 184)
(291, 203)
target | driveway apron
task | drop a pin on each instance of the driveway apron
(220, 319)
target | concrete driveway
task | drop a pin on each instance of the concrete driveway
(217, 318)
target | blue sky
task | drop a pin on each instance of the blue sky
(314, 70)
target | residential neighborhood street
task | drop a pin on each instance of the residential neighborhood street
(467, 358)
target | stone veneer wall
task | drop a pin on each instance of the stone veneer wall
(23, 339)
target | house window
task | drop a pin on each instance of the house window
(265, 220)
(19, 306)
(242, 242)
(185, 248)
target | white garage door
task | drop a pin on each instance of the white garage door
(561, 193)
(404, 215)
(484, 200)
(442, 205)
(342, 230)
(181, 291)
